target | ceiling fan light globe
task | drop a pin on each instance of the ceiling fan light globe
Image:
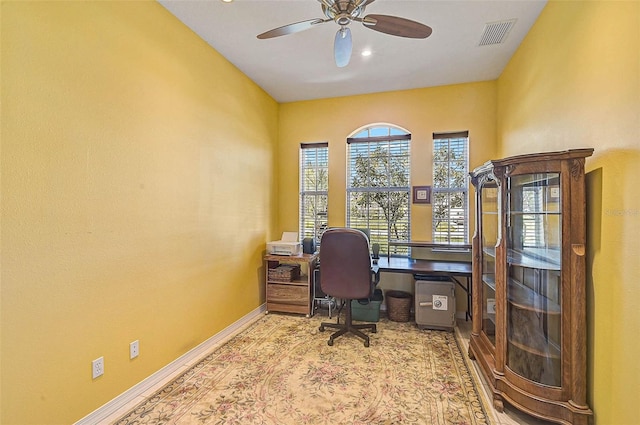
(342, 47)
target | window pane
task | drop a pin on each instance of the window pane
(378, 131)
(363, 133)
(532, 224)
(314, 184)
(450, 189)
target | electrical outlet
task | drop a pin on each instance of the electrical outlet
(134, 349)
(97, 367)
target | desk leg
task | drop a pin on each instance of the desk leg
(466, 289)
(469, 298)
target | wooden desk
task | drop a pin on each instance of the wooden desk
(452, 269)
(435, 267)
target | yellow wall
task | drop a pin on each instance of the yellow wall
(138, 183)
(137, 175)
(575, 82)
(422, 112)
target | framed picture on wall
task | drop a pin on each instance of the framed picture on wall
(421, 194)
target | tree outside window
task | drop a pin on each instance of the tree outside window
(450, 187)
(378, 185)
(314, 185)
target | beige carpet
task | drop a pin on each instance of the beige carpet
(280, 370)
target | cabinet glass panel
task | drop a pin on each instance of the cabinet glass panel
(534, 284)
(489, 209)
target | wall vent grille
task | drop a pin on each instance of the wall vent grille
(496, 32)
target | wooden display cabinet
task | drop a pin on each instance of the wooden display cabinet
(295, 296)
(529, 313)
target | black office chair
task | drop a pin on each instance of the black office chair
(346, 273)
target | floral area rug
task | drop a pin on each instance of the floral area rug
(280, 370)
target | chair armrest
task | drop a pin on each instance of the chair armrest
(375, 275)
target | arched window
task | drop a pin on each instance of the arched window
(378, 184)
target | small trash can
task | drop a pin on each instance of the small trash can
(398, 306)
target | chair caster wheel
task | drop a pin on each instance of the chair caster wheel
(374, 331)
(366, 343)
(321, 328)
(330, 343)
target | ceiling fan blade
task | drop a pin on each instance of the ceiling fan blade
(395, 25)
(365, 3)
(291, 28)
(342, 47)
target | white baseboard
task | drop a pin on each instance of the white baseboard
(164, 374)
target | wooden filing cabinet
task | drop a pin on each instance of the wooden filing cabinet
(295, 296)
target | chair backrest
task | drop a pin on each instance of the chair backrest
(345, 264)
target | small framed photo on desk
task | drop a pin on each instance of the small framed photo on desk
(421, 194)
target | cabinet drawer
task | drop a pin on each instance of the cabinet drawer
(287, 294)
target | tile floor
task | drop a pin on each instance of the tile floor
(510, 416)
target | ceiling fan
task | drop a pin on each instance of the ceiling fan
(343, 12)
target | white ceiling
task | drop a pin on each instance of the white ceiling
(300, 66)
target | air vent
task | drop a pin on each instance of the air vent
(496, 32)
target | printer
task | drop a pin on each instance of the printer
(287, 245)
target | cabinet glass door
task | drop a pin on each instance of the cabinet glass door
(534, 241)
(489, 217)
